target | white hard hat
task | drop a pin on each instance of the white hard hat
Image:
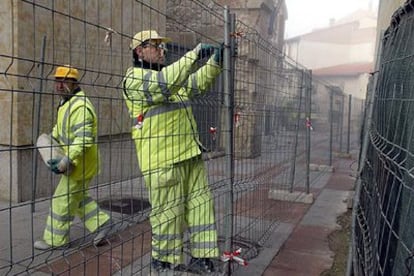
(140, 37)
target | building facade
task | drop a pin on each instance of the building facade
(341, 54)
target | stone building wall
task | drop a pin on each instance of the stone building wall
(75, 31)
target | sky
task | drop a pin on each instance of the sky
(306, 15)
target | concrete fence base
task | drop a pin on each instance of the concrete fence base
(284, 195)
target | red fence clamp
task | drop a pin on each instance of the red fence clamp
(233, 257)
(309, 123)
(213, 132)
(237, 34)
(140, 120)
(237, 119)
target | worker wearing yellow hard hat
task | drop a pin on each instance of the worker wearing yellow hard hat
(168, 148)
(67, 72)
(76, 132)
(66, 81)
(145, 36)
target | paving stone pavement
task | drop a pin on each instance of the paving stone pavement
(306, 251)
(297, 246)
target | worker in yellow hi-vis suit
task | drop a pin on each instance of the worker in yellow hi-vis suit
(76, 133)
(168, 148)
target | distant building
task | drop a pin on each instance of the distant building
(341, 54)
(267, 16)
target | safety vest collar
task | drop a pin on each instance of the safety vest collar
(148, 65)
(63, 100)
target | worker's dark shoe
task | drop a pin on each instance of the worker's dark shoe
(104, 231)
(42, 245)
(202, 265)
(161, 268)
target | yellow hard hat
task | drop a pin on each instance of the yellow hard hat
(67, 72)
(146, 35)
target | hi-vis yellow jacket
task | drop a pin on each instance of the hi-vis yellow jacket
(164, 128)
(76, 131)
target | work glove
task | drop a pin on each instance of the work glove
(53, 165)
(218, 54)
(61, 166)
(204, 50)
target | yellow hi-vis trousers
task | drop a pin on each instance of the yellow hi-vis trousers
(180, 199)
(71, 198)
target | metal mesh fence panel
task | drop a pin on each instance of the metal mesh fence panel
(256, 124)
(382, 232)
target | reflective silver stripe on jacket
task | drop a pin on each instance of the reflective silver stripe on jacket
(166, 252)
(145, 87)
(84, 134)
(202, 228)
(161, 83)
(160, 110)
(64, 136)
(91, 214)
(56, 231)
(75, 129)
(85, 202)
(167, 237)
(163, 86)
(204, 245)
(194, 85)
(65, 218)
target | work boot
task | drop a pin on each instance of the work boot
(42, 245)
(160, 268)
(104, 232)
(202, 265)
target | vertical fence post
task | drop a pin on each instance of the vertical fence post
(331, 125)
(308, 110)
(341, 123)
(295, 143)
(228, 81)
(36, 123)
(348, 144)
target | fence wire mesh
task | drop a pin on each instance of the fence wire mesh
(263, 123)
(383, 240)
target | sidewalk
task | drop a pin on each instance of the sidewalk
(299, 246)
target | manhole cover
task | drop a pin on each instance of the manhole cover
(125, 205)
